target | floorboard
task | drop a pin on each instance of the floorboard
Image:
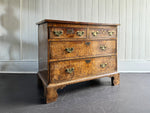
(19, 94)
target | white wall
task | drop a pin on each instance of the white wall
(18, 32)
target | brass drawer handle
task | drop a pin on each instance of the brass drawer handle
(110, 33)
(80, 33)
(70, 70)
(69, 50)
(103, 48)
(58, 33)
(103, 65)
(95, 33)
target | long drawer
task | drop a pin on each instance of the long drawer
(74, 69)
(71, 49)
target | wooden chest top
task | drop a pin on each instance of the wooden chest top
(74, 22)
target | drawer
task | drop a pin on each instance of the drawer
(74, 69)
(104, 32)
(71, 49)
(59, 33)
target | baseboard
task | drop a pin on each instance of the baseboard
(138, 66)
(19, 72)
(18, 66)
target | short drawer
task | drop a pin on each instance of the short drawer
(103, 32)
(74, 69)
(71, 49)
(60, 32)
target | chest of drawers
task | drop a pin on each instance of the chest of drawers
(72, 52)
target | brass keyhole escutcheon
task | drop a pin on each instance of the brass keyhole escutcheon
(58, 33)
(103, 48)
(70, 31)
(87, 61)
(70, 70)
(80, 33)
(95, 33)
(69, 50)
(87, 43)
(103, 65)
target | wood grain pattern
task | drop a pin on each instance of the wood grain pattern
(65, 58)
(68, 32)
(82, 48)
(74, 22)
(53, 87)
(115, 79)
(82, 68)
(42, 54)
(81, 39)
(103, 32)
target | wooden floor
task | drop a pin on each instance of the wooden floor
(19, 94)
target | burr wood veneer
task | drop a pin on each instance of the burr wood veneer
(72, 52)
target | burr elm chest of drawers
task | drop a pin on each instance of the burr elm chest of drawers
(72, 52)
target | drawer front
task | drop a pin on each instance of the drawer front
(74, 69)
(61, 32)
(104, 32)
(103, 47)
(71, 49)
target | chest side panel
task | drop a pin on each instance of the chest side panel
(43, 51)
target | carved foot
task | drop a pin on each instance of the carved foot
(51, 93)
(115, 79)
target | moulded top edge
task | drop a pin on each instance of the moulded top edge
(74, 22)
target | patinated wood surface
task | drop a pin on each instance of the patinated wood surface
(81, 48)
(42, 52)
(103, 32)
(82, 68)
(68, 32)
(72, 52)
(75, 23)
